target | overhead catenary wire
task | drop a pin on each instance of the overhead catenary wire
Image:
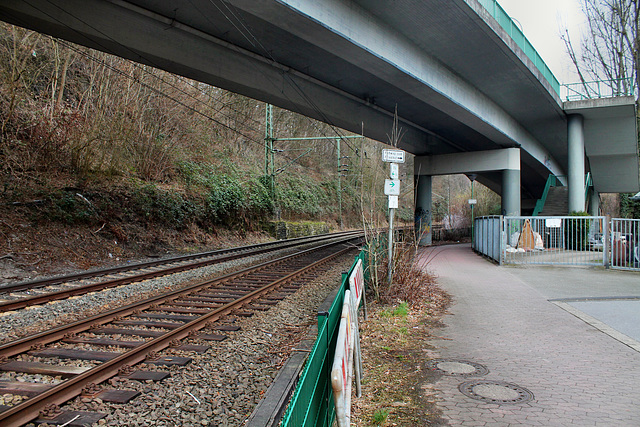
(159, 92)
(164, 81)
(249, 36)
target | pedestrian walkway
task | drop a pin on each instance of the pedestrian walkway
(502, 318)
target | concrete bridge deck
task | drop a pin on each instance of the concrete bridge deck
(556, 332)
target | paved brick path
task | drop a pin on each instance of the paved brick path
(578, 375)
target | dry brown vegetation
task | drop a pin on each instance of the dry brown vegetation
(397, 387)
(136, 160)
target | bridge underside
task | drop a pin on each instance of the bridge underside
(347, 63)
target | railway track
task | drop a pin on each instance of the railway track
(17, 296)
(139, 332)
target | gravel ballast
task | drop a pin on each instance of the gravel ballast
(220, 387)
(31, 320)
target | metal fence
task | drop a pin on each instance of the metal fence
(486, 236)
(599, 89)
(625, 244)
(312, 401)
(557, 240)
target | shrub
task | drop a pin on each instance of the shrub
(380, 416)
(68, 208)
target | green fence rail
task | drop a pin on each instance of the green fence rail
(312, 401)
(552, 181)
(518, 36)
(599, 89)
(555, 181)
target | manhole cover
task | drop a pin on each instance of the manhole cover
(462, 368)
(495, 391)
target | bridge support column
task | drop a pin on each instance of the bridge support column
(423, 215)
(511, 192)
(575, 148)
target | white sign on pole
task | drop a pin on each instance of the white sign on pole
(394, 170)
(553, 222)
(473, 201)
(395, 156)
(392, 187)
(393, 202)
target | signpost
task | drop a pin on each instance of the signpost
(394, 170)
(393, 156)
(392, 189)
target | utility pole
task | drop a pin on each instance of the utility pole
(269, 157)
(343, 170)
(269, 167)
(449, 201)
(472, 201)
(339, 183)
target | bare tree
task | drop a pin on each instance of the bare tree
(610, 49)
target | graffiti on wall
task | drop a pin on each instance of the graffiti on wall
(423, 221)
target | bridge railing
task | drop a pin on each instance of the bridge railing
(521, 40)
(598, 89)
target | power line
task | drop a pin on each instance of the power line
(268, 55)
(139, 67)
(159, 92)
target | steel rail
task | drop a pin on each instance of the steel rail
(24, 344)
(66, 293)
(32, 284)
(28, 410)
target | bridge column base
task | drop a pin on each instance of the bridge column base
(511, 192)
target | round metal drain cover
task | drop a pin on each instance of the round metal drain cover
(495, 391)
(461, 368)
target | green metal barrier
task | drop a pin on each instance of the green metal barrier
(552, 181)
(518, 36)
(312, 401)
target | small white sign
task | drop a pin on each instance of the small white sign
(392, 187)
(393, 202)
(395, 156)
(553, 222)
(394, 170)
(473, 201)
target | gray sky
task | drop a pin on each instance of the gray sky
(542, 22)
